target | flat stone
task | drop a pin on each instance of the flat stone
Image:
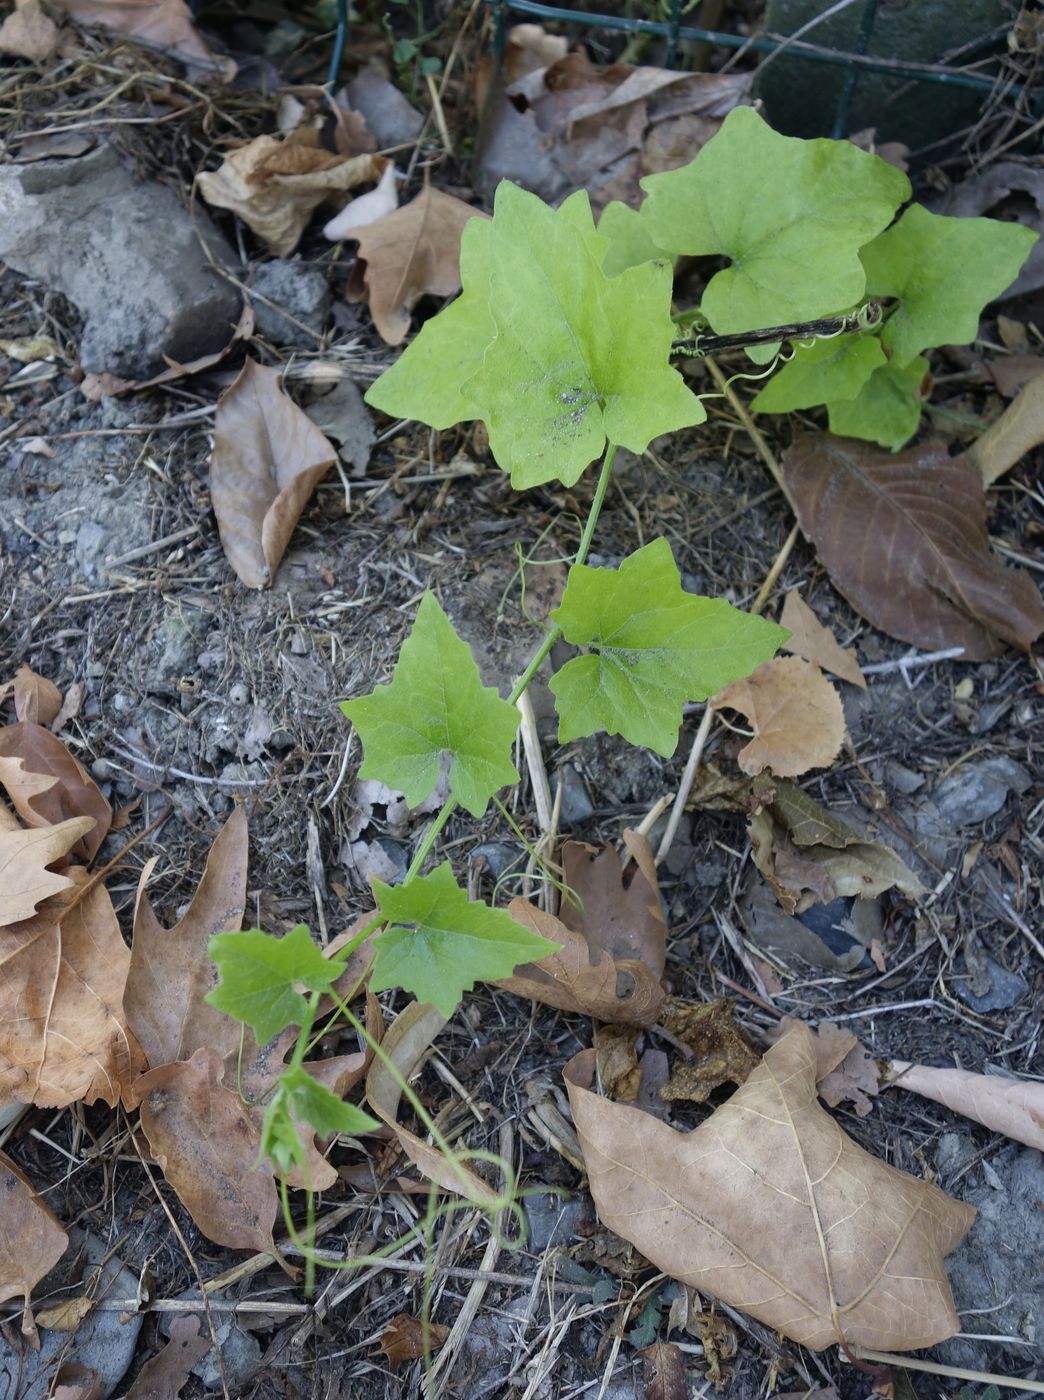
(977, 791)
(389, 116)
(240, 1351)
(301, 291)
(126, 254)
(1003, 988)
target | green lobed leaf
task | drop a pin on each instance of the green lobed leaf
(943, 271)
(829, 370)
(315, 1104)
(630, 241)
(439, 943)
(436, 705)
(887, 409)
(426, 381)
(280, 1139)
(653, 647)
(791, 214)
(260, 974)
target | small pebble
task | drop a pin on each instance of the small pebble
(239, 694)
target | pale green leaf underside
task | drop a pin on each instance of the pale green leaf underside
(439, 943)
(653, 647)
(828, 370)
(260, 975)
(943, 271)
(434, 706)
(791, 214)
(426, 381)
(886, 410)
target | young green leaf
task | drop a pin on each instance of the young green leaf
(792, 215)
(436, 705)
(943, 271)
(426, 381)
(827, 371)
(439, 943)
(887, 409)
(260, 975)
(280, 1139)
(315, 1104)
(653, 647)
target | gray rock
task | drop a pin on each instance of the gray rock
(342, 415)
(1001, 988)
(389, 116)
(576, 805)
(240, 1352)
(175, 644)
(553, 1219)
(498, 856)
(303, 292)
(103, 1342)
(126, 253)
(977, 791)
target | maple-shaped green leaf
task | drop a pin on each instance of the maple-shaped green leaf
(630, 240)
(791, 214)
(887, 409)
(438, 943)
(653, 647)
(260, 976)
(943, 271)
(434, 706)
(828, 370)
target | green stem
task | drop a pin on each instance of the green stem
(430, 837)
(305, 1030)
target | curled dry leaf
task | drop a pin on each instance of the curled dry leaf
(163, 1375)
(170, 971)
(31, 1240)
(209, 1150)
(403, 1339)
(720, 1052)
(160, 24)
(854, 1079)
(63, 1031)
(25, 880)
(771, 1207)
(1019, 428)
(366, 208)
(275, 185)
(268, 457)
(410, 253)
(816, 643)
(903, 537)
(663, 1372)
(581, 978)
(795, 713)
(404, 1046)
(30, 754)
(35, 698)
(1012, 1107)
(28, 33)
(619, 911)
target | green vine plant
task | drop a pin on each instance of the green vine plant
(561, 342)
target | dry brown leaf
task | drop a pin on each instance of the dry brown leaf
(276, 184)
(855, 1079)
(616, 1061)
(160, 24)
(28, 33)
(35, 753)
(1012, 1107)
(770, 1207)
(795, 713)
(25, 881)
(404, 1046)
(903, 537)
(63, 1031)
(404, 1336)
(70, 708)
(832, 1044)
(409, 254)
(1019, 428)
(268, 458)
(816, 643)
(31, 1240)
(721, 1052)
(580, 979)
(809, 856)
(73, 1382)
(663, 1372)
(620, 911)
(35, 698)
(209, 1149)
(65, 1316)
(170, 969)
(163, 1375)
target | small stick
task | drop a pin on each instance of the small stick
(146, 549)
(957, 1372)
(535, 761)
(440, 115)
(688, 778)
(915, 659)
(765, 452)
(779, 564)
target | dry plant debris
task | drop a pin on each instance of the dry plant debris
(816, 643)
(31, 1240)
(164, 1375)
(771, 1207)
(1013, 1108)
(795, 713)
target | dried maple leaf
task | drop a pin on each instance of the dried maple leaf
(25, 881)
(903, 537)
(209, 1149)
(268, 457)
(48, 786)
(816, 643)
(1012, 1107)
(170, 970)
(275, 185)
(31, 1240)
(795, 713)
(769, 1206)
(619, 911)
(63, 1032)
(404, 1337)
(409, 254)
